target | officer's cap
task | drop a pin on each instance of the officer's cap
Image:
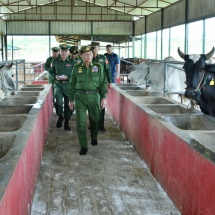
(55, 49)
(95, 44)
(74, 50)
(85, 49)
(64, 46)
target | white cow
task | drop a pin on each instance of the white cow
(7, 86)
(43, 75)
(153, 74)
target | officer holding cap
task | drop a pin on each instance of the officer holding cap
(61, 72)
(88, 88)
(74, 54)
(48, 63)
(104, 62)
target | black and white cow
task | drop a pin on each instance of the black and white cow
(200, 80)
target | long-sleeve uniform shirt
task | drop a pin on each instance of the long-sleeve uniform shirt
(48, 66)
(104, 62)
(92, 78)
(61, 87)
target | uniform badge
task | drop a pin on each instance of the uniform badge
(88, 49)
(79, 69)
(100, 60)
(95, 69)
(68, 64)
(78, 61)
(64, 45)
(212, 82)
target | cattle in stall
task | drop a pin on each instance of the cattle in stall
(152, 74)
(7, 86)
(200, 80)
(126, 62)
(43, 76)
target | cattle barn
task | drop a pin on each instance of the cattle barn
(156, 154)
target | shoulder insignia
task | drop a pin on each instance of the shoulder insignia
(79, 69)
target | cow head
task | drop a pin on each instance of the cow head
(193, 66)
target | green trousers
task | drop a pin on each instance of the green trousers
(62, 100)
(50, 79)
(84, 103)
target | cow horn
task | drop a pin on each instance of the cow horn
(10, 65)
(210, 54)
(181, 54)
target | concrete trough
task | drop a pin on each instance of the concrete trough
(11, 123)
(191, 122)
(33, 85)
(22, 94)
(6, 142)
(19, 101)
(178, 148)
(151, 100)
(171, 109)
(141, 93)
(32, 89)
(23, 132)
(11, 110)
(131, 88)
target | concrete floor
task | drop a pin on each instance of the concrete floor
(110, 180)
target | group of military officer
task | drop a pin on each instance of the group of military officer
(80, 79)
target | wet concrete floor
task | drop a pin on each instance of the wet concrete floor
(110, 180)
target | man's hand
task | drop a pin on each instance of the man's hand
(71, 105)
(109, 86)
(103, 103)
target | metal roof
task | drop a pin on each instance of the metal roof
(82, 11)
(134, 8)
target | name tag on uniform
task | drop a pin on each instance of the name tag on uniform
(78, 61)
(95, 69)
(68, 64)
(100, 60)
(79, 69)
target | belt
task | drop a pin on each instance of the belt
(63, 81)
(87, 91)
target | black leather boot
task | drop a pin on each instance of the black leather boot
(66, 125)
(83, 151)
(94, 142)
(60, 121)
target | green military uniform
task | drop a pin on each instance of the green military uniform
(48, 64)
(61, 87)
(75, 52)
(78, 59)
(87, 86)
(104, 62)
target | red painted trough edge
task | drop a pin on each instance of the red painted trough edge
(186, 176)
(17, 198)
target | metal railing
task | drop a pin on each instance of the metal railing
(25, 72)
(124, 77)
(17, 62)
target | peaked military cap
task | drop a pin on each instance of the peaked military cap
(74, 50)
(95, 44)
(55, 49)
(64, 46)
(85, 49)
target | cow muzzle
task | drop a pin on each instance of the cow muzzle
(190, 93)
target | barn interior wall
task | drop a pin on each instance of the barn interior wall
(175, 15)
(200, 9)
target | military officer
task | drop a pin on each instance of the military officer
(74, 54)
(48, 63)
(104, 62)
(88, 88)
(61, 72)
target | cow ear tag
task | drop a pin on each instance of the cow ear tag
(212, 82)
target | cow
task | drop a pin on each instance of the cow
(6, 80)
(200, 80)
(43, 76)
(152, 74)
